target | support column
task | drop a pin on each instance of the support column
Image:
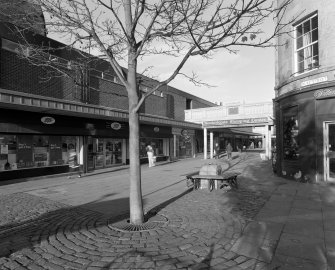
(211, 144)
(270, 142)
(205, 143)
(124, 151)
(267, 142)
(174, 146)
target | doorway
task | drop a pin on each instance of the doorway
(103, 152)
(329, 151)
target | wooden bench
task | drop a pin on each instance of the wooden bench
(224, 179)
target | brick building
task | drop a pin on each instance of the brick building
(44, 120)
(305, 93)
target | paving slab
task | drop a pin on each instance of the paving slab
(267, 223)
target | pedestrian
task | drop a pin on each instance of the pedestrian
(229, 150)
(217, 151)
(73, 161)
(150, 153)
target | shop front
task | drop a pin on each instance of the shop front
(34, 144)
(23, 153)
(306, 135)
(104, 152)
(184, 142)
(159, 138)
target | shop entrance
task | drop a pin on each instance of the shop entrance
(329, 151)
(103, 152)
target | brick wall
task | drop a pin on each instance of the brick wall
(18, 75)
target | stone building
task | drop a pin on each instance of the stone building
(305, 93)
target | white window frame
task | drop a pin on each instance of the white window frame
(296, 64)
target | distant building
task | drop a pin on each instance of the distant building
(305, 93)
(243, 125)
(44, 120)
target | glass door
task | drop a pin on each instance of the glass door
(329, 151)
(100, 153)
(113, 152)
(90, 153)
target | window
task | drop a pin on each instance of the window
(32, 151)
(189, 104)
(290, 133)
(232, 110)
(307, 45)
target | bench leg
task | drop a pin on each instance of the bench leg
(196, 183)
(233, 182)
(211, 185)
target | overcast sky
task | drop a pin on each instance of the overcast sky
(247, 76)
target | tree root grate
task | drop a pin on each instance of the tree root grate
(154, 222)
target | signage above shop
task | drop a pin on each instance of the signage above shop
(314, 81)
(236, 122)
(48, 120)
(114, 125)
(184, 132)
(328, 92)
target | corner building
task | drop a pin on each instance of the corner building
(43, 122)
(305, 93)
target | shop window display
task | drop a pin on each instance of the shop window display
(290, 134)
(157, 145)
(32, 151)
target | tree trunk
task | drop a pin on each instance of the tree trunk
(136, 207)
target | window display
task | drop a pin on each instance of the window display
(31, 151)
(290, 134)
(157, 145)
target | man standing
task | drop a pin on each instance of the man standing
(150, 153)
(217, 151)
(229, 150)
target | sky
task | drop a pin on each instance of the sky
(247, 76)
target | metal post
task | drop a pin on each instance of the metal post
(267, 143)
(211, 143)
(174, 146)
(205, 143)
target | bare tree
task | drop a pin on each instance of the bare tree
(127, 30)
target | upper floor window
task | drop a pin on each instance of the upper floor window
(307, 44)
(232, 110)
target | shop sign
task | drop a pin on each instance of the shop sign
(236, 122)
(184, 132)
(4, 149)
(156, 129)
(324, 93)
(314, 81)
(48, 120)
(176, 131)
(114, 125)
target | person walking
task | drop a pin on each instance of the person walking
(229, 150)
(150, 153)
(217, 151)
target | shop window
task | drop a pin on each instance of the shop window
(307, 44)
(157, 145)
(40, 151)
(8, 150)
(32, 151)
(290, 134)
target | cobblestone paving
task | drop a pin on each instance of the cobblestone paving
(20, 207)
(201, 229)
